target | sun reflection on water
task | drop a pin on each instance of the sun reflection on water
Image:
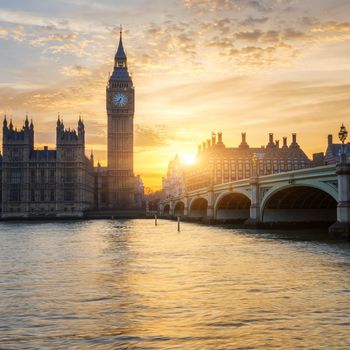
(128, 284)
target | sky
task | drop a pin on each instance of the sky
(254, 66)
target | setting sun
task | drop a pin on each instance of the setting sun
(196, 64)
(175, 174)
(189, 159)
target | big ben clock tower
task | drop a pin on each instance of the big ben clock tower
(120, 101)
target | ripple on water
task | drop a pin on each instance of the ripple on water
(127, 284)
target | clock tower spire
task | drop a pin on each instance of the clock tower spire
(120, 103)
(120, 59)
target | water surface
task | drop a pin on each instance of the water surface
(131, 285)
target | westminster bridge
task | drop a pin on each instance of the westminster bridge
(307, 196)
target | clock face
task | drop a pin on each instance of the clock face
(120, 99)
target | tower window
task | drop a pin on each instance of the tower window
(15, 195)
(15, 176)
(68, 196)
(52, 176)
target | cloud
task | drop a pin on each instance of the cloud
(3, 33)
(54, 37)
(23, 18)
(222, 43)
(174, 43)
(249, 36)
(333, 26)
(79, 90)
(195, 64)
(76, 48)
(18, 33)
(167, 38)
(146, 137)
(258, 57)
(169, 44)
(212, 5)
(303, 102)
(292, 34)
(75, 71)
(61, 43)
(325, 32)
(271, 36)
(223, 25)
(72, 23)
(251, 21)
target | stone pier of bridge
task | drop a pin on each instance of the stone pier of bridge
(342, 226)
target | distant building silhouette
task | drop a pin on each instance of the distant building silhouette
(173, 184)
(333, 151)
(318, 159)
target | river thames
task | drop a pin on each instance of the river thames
(131, 285)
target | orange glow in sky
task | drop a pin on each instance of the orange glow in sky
(198, 66)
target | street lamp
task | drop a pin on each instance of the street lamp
(343, 134)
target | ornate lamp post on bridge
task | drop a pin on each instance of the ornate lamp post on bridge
(343, 134)
(342, 226)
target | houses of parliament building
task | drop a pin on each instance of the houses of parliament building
(64, 182)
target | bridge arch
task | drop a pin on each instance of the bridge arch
(232, 205)
(299, 203)
(179, 208)
(198, 208)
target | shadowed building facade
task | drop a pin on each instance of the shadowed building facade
(39, 183)
(333, 151)
(63, 182)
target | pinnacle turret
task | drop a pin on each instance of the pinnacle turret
(120, 71)
(120, 57)
(26, 122)
(92, 158)
(80, 122)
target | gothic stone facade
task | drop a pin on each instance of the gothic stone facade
(45, 183)
(120, 188)
(63, 182)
